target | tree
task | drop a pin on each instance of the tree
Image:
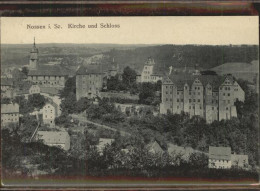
(70, 87)
(82, 104)
(129, 76)
(68, 104)
(64, 119)
(5, 100)
(37, 101)
(147, 93)
(25, 70)
(24, 106)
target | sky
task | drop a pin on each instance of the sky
(211, 30)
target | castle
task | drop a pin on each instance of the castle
(209, 96)
(148, 74)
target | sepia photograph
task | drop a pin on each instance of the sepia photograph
(129, 102)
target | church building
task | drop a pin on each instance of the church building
(44, 75)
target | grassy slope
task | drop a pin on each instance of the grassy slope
(246, 71)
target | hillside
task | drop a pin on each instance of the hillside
(204, 56)
(246, 71)
(18, 54)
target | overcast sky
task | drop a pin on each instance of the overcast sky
(216, 30)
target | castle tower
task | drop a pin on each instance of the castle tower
(33, 57)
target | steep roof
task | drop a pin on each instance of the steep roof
(50, 90)
(214, 80)
(103, 142)
(90, 69)
(23, 87)
(49, 71)
(154, 147)
(184, 151)
(53, 137)
(220, 153)
(7, 82)
(9, 108)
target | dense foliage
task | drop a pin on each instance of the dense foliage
(34, 102)
(205, 56)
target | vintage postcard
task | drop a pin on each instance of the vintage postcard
(129, 102)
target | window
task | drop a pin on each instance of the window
(189, 100)
(170, 99)
(177, 93)
(181, 100)
(212, 108)
(185, 87)
(194, 100)
(216, 101)
(198, 88)
(224, 94)
(189, 93)
(166, 92)
(225, 88)
(227, 108)
(198, 100)
(166, 99)
(190, 107)
(166, 87)
(228, 101)
(177, 100)
(195, 88)
(198, 93)
(228, 94)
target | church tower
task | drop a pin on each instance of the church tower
(33, 57)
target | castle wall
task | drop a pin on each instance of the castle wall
(200, 101)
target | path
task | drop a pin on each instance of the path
(85, 120)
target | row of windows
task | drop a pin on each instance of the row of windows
(90, 82)
(226, 101)
(219, 160)
(198, 88)
(46, 77)
(181, 93)
(13, 115)
(52, 83)
(16, 120)
(228, 94)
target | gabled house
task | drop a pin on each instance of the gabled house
(219, 157)
(102, 143)
(9, 114)
(54, 138)
(154, 148)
